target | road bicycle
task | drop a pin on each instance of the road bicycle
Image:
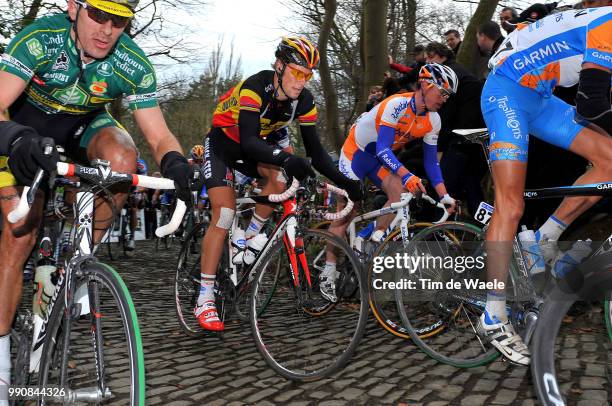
(88, 335)
(460, 308)
(233, 281)
(294, 338)
(397, 235)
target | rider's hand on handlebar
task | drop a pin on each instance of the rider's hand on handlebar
(27, 154)
(414, 185)
(175, 166)
(449, 203)
(354, 188)
(296, 167)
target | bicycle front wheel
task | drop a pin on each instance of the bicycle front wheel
(94, 350)
(430, 300)
(382, 301)
(295, 340)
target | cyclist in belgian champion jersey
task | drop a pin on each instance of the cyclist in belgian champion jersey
(248, 135)
(56, 77)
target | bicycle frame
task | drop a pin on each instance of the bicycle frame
(402, 217)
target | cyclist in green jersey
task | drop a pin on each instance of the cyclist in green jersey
(56, 78)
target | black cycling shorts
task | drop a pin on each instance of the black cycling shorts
(223, 155)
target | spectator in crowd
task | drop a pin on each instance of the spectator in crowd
(453, 40)
(535, 12)
(410, 72)
(507, 15)
(375, 97)
(489, 37)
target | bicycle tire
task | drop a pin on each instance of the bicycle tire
(187, 284)
(384, 311)
(608, 314)
(323, 330)
(454, 310)
(99, 274)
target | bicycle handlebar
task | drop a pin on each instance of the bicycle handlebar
(101, 175)
(290, 192)
(404, 202)
(346, 210)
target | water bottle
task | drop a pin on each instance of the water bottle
(238, 246)
(43, 288)
(531, 250)
(254, 246)
(567, 261)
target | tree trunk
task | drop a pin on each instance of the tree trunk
(410, 14)
(469, 56)
(332, 128)
(31, 15)
(374, 46)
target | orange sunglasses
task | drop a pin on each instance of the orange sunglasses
(299, 75)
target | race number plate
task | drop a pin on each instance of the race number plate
(484, 213)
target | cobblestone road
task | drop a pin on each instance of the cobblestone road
(386, 370)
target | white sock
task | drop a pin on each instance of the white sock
(330, 270)
(5, 368)
(551, 230)
(207, 288)
(255, 226)
(496, 308)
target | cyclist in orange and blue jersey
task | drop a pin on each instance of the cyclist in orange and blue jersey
(368, 150)
(559, 50)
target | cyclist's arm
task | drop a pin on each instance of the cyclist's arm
(592, 99)
(321, 160)
(252, 145)
(12, 86)
(155, 130)
(386, 138)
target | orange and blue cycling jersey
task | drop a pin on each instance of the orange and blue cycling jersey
(517, 98)
(368, 149)
(550, 51)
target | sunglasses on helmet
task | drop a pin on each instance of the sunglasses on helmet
(299, 75)
(102, 17)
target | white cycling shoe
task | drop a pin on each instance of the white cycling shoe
(503, 337)
(327, 284)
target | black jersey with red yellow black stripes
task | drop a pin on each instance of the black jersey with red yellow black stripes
(256, 94)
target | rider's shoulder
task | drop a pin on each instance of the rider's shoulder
(46, 28)
(132, 61)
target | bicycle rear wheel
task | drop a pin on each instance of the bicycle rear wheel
(96, 355)
(458, 309)
(568, 350)
(297, 342)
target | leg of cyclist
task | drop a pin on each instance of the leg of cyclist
(113, 144)
(223, 206)
(275, 182)
(597, 148)
(16, 242)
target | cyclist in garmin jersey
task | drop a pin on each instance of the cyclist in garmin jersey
(247, 135)
(560, 50)
(56, 77)
(368, 151)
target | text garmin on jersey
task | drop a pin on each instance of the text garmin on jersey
(550, 49)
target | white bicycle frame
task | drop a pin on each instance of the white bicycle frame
(402, 217)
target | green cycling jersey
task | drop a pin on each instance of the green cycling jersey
(44, 55)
